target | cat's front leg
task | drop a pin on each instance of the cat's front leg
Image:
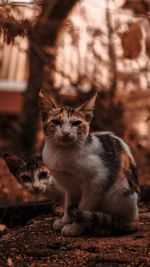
(66, 219)
(88, 203)
(90, 198)
(60, 223)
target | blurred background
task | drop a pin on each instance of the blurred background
(72, 48)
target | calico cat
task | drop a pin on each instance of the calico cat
(34, 176)
(96, 170)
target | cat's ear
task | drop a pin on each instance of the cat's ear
(88, 107)
(46, 103)
(13, 162)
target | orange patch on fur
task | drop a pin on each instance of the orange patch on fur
(125, 160)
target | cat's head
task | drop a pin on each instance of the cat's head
(31, 172)
(65, 125)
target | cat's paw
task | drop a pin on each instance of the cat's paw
(60, 223)
(57, 225)
(73, 229)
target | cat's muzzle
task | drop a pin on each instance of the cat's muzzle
(66, 139)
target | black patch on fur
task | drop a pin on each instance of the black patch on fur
(111, 156)
(132, 178)
(134, 173)
(32, 163)
(69, 110)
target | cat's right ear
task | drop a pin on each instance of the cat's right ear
(46, 103)
(13, 162)
(88, 107)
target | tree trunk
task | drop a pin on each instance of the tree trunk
(45, 34)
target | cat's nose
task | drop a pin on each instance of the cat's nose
(66, 132)
(36, 189)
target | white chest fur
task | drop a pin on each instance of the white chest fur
(74, 167)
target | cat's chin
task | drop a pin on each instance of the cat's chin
(65, 141)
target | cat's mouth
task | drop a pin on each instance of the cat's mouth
(66, 140)
(37, 190)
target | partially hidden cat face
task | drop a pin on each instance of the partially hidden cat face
(31, 172)
(65, 125)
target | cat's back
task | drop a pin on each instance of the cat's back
(117, 158)
(112, 147)
(110, 142)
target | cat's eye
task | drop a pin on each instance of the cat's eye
(56, 122)
(43, 174)
(76, 123)
(25, 178)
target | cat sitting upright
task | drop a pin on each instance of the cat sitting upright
(96, 170)
(34, 176)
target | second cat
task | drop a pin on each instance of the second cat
(34, 176)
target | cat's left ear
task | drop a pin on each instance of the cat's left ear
(13, 162)
(46, 103)
(88, 107)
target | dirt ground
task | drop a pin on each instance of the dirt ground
(37, 245)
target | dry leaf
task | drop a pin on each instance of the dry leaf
(3, 227)
(9, 262)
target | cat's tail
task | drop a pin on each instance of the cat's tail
(102, 223)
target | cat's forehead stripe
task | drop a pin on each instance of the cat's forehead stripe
(67, 111)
